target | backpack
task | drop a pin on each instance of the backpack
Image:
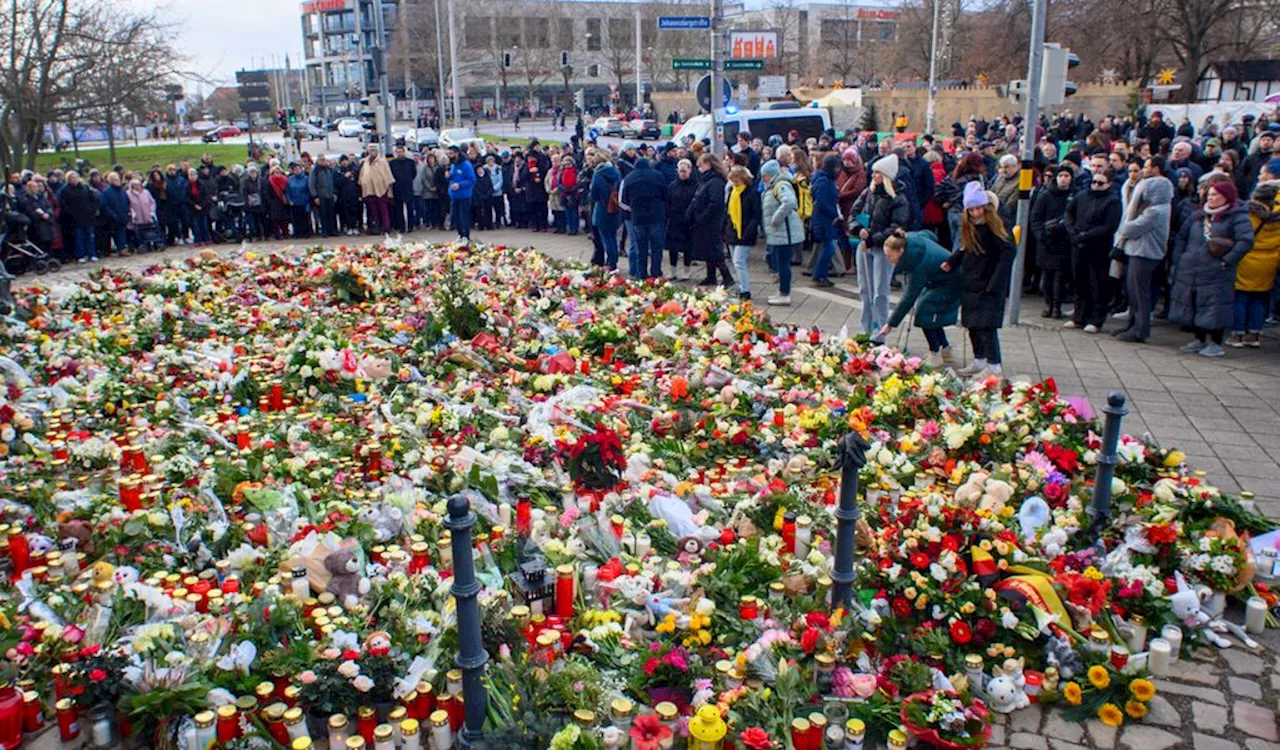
(804, 198)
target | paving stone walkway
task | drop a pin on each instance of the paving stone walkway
(1223, 413)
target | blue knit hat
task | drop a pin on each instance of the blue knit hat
(771, 169)
(974, 195)
(1273, 166)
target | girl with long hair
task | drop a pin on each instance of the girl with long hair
(984, 256)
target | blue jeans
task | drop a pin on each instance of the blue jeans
(84, 243)
(822, 266)
(874, 272)
(646, 249)
(937, 338)
(200, 226)
(118, 237)
(570, 215)
(741, 253)
(460, 216)
(1250, 311)
(780, 262)
(609, 241)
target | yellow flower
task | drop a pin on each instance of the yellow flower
(1135, 709)
(1142, 689)
(1099, 677)
(668, 624)
(1110, 715)
(1174, 459)
(1093, 573)
(1071, 691)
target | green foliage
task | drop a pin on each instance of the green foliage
(869, 119)
(740, 570)
(461, 315)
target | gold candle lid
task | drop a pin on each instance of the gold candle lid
(409, 727)
(382, 732)
(227, 712)
(439, 718)
(300, 743)
(666, 711)
(337, 721)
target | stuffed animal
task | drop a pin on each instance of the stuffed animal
(387, 521)
(1062, 658)
(1186, 606)
(1006, 690)
(982, 492)
(346, 583)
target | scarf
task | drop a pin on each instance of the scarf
(279, 183)
(735, 208)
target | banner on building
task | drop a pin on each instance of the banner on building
(753, 45)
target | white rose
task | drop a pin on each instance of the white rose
(1118, 487)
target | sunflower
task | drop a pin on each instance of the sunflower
(1099, 677)
(1111, 715)
(1071, 691)
(1135, 709)
(1142, 689)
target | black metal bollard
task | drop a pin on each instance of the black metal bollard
(471, 654)
(851, 456)
(1100, 509)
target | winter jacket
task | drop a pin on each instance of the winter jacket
(932, 213)
(424, 183)
(934, 292)
(207, 190)
(251, 185)
(644, 194)
(39, 209)
(780, 208)
(887, 213)
(1049, 225)
(1092, 219)
(706, 215)
(346, 189)
(850, 182)
(178, 189)
(605, 180)
(1257, 269)
(462, 180)
(1204, 285)
(824, 224)
(1247, 173)
(679, 230)
(1144, 230)
(142, 209)
(1006, 189)
(950, 193)
(752, 215)
(403, 172)
(79, 204)
(298, 191)
(115, 204)
(985, 280)
(320, 183)
(667, 167)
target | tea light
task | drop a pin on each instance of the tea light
(1173, 635)
(1255, 615)
(1160, 656)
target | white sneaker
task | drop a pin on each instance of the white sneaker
(973, 368)
(93, 259)
(1191, 347)
(1069, 324)
(1091, 328)
(780, 299)
(80, 260)
(934, 359)
(1122, 315)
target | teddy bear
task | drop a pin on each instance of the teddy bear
(982, 492)
(346, 584)
(1006, 690)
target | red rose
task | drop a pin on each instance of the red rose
(901, 607)
(951, 542)
(756, 738)
(818, 620)
(960, 632)
(98, 675)
(986, 629)
(350, 654)
(919, 560)
(809, 641)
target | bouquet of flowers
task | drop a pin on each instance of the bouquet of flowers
(944, 719)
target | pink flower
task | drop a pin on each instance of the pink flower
(350, 362)
(331, 653)
(864, 685)
(568, 518)
(348, 669)
(930, 430)
(362, 683)
(677, 660)
(73, 634)
(307, 677)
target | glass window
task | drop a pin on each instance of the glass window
(622, 33)
(731, 132)
(565, 33)
(477, 33)
(595, 36)
(537, 33)
(808, 125)
(887, 30)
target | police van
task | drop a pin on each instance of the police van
(809, 122)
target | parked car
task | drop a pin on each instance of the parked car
(641, 129)
(218, 133)
(460, 137)
(309, 131)
(421, 138)
(608, 125)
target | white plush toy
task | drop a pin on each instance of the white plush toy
(984, 493)
(1186, 606)
(1006, 690)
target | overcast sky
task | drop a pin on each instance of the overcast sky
(223, 36)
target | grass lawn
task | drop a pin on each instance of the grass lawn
(141, 158)
(504, 139)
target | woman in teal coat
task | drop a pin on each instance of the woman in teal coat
(933, 292)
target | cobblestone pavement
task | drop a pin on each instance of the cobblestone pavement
(1221, 412)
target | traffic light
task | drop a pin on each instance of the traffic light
(1016, 91)
(506, 59)
(282, 119)
(293, 115)
(580, 100)
(593, 70)
(564, 59)
(1054, 86)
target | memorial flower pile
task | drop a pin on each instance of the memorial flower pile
(225, 484)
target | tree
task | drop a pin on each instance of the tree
(413, 50)
(36, 73)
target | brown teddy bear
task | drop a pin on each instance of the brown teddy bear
(346, 583)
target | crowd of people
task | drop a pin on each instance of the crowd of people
(1127, 216)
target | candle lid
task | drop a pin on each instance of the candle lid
(205, 719)
(227, 712)
(355, 743)
(825, 660)
(799, 725)
(292, 715)
(666, 711)
(383, 732)
(584, 717)
(440, 718)
(453, 675)
(621, 706)
(855, 726)
(301, 743)
(337, 721)
(364, 712)
(409, 727)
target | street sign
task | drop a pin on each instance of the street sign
(251, 76)
(732, 10)
(744, 64)
(773, 87)
(680, 63)
(684, 22)
(704, 93)
(255, 105)
(254, 91)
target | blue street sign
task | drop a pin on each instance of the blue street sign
(684, 22)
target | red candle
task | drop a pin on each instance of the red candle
(366, 722)
(228, 724)
(19, 552)
(426, 701)
(748, 608)
(800, 734)
(242, 439)
(564, 591)
(789, 534)
(32, 715)
(420, 558)
(68, 720)
(523, 510)
(457, 713)
(608, 354)
(130, 494)
(277, 397)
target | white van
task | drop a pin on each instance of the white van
(810, 122)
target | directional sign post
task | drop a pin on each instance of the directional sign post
(688, 64)
(744, 64)
(684, 22)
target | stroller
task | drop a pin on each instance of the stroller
(17, 251)
(150, 237)
(232, 222)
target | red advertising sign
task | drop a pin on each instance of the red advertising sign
(878, 14)
(323, 6)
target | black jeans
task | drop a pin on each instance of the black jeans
(986, 344)
(937, 338)
(1138, 283)
(326, 211)
(1092, 292)
(1054, 285)
(1209, 333)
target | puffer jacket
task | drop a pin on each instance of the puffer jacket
(1144, 231)
(887, 212)
(1257, 269)
(779, 206)
(937, 292)
(1204, 286)
(1049, 226)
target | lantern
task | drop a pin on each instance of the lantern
(707, 729)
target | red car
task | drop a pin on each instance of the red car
(217, 134)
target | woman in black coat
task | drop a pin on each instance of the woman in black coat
(984, 257)
(1093, 216)
(35, 203)
(679, 239)
(1053, 243)
(743, 215)
(706, 215)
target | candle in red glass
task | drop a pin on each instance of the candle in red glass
(457, 713)
(789, 534)
(60, 450)
(130, 494)
(748, 608)
(426, 702)
(800, 734)
(617, 522)
(264, 405)
(68, 719)
(126, 457)
(445, 703)
(228, 724)
(564, 591)
(19, 552)
(420, 559)
(523, 512)
(374, 465)
(242, 439)
(139, 463)
(366, 722)
(608, 354)
(32, 713)
(277, 397)
(231, 585)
